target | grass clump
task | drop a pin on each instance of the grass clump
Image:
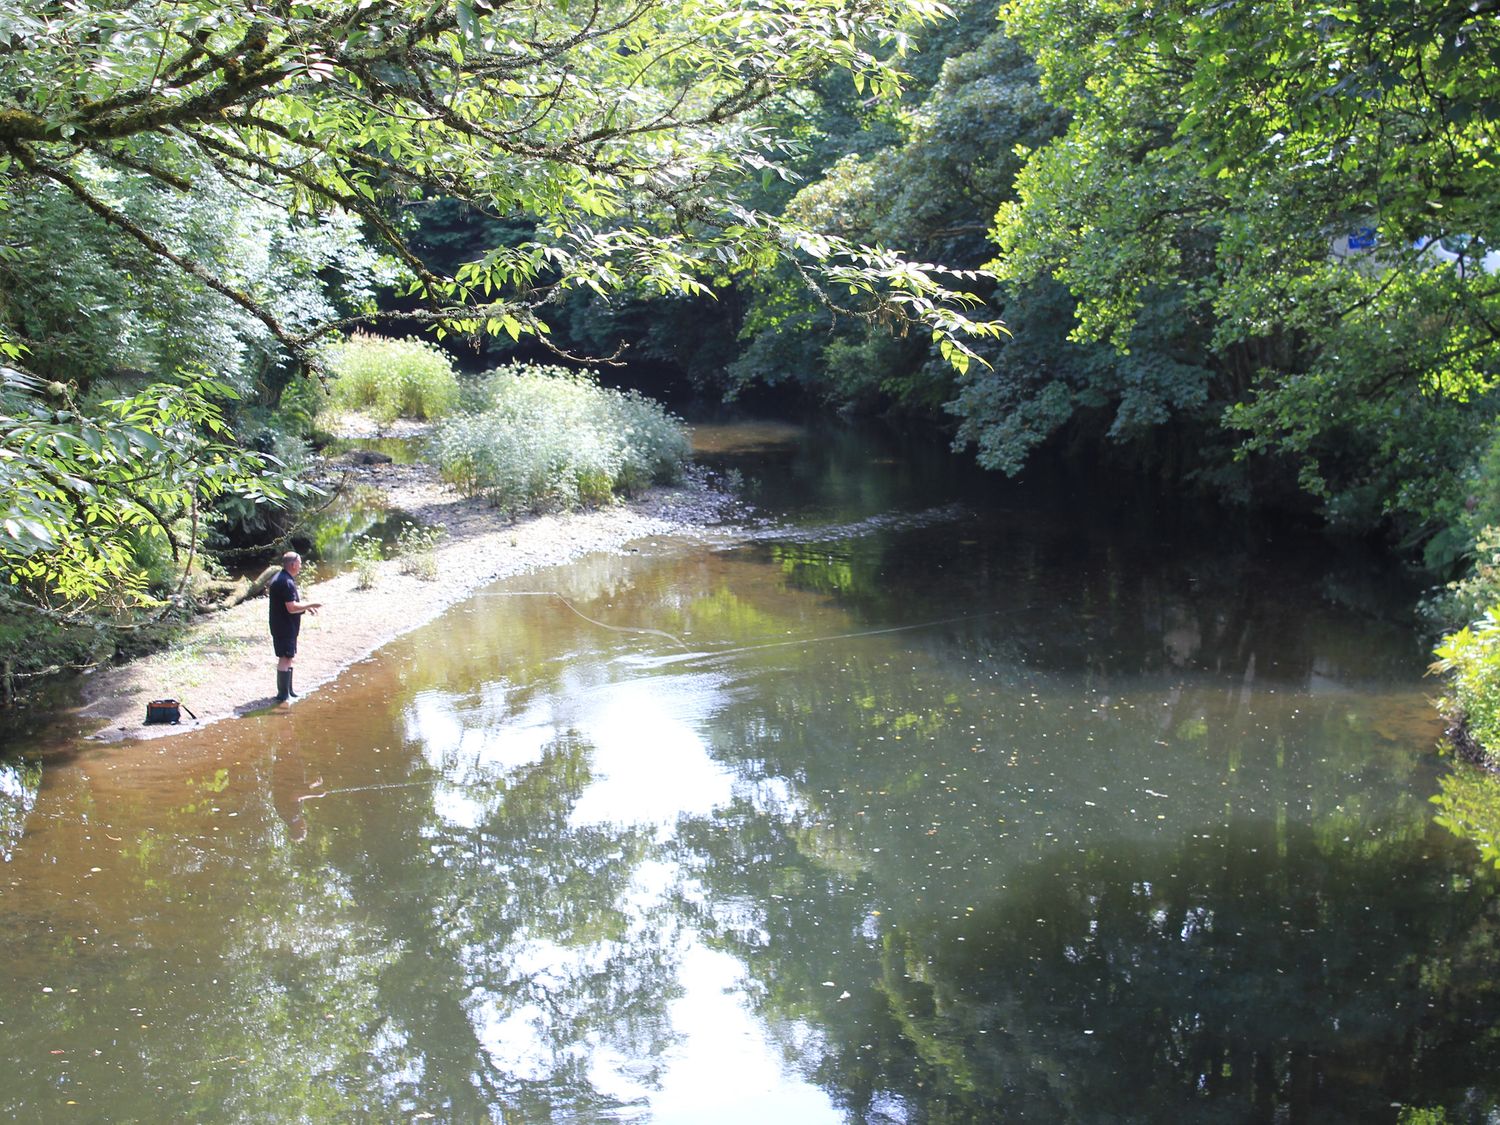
(545, 438)
(416, 551)
(366, 560)
(391, 379)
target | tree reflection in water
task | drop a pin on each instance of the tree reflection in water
(1006, 824)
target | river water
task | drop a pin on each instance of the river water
(916, 799)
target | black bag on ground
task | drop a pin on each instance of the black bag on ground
(166, 711)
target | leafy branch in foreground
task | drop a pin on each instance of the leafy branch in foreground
(621, 127)
(80, 492)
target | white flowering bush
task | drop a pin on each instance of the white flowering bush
(545, 437)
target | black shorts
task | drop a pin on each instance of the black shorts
(285, 644)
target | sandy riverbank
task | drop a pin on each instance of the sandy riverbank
(223, 668)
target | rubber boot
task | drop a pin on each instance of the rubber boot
(283, 686)
(289, 690)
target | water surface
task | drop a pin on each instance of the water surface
(921, 800)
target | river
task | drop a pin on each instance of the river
(921, 797)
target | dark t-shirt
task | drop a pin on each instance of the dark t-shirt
(283, 589)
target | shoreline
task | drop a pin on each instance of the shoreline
(222, 667)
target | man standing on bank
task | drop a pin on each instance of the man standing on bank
(287, 609)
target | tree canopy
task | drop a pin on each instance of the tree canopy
(1314, 186)
(617, 125)
(620, 130)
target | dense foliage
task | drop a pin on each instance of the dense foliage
(1472, 655)
(1283, 177)
(931, 190)
(390, 378)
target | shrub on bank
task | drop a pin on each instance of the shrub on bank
(1470, 658)
(1466, 598)
(545, 437)
(366, 560)
(416, 549)
(391, 379)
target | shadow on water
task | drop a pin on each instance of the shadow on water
(400, 450)
(920, 798)
(328, 536)
(334, 533)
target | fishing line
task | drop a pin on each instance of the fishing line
(678, 641)
(742, 648)
(852, 636)
(364, 789)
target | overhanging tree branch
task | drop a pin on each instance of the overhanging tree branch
(123, 222)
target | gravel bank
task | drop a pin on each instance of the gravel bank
(224, 667)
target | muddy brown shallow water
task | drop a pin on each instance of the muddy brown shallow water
(222, 668)
(919, 799)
